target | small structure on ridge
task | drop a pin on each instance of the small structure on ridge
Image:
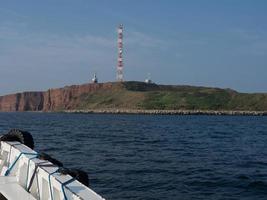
(94, 79)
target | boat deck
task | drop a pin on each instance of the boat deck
(23, 176)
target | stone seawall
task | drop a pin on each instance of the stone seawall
(170, 112)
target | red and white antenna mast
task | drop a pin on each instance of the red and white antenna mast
(120, 49)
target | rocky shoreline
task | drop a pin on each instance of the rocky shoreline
(170, 112)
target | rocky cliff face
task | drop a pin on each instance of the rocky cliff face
(51, 100)
(27, 101)
(134, 95)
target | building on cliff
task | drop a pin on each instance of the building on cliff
(94, 79)
(148, 79)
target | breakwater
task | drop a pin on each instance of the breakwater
(170, 112)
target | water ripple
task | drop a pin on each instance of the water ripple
(156, 157)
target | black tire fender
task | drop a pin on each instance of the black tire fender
(23, 137)
(44, 156)
(78, 174)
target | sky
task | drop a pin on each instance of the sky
(54, 43)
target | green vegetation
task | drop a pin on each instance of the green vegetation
(139, 95)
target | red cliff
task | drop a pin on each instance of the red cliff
(134, 95)
(51, 100)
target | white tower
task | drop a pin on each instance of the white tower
(94, 79)
(148, 79)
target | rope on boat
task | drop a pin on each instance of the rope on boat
(41, 164)
(15, 161)
(49, 159)
(27, 176)
(50, 187)
(59, 170)
(64, 184)
(26, 139)
(9, 155)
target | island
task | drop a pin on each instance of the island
(138, 98)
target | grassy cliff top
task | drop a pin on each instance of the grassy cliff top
(140, 95)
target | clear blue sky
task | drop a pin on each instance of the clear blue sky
(53, 43)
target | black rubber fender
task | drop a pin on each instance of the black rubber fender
(23, 137)
(44, 156)
(78, 174)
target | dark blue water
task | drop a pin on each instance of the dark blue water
(156, 157)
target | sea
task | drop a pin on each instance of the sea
(147, 157)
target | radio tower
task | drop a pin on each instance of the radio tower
(120, 48)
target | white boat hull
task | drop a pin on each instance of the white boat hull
(26, 177)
